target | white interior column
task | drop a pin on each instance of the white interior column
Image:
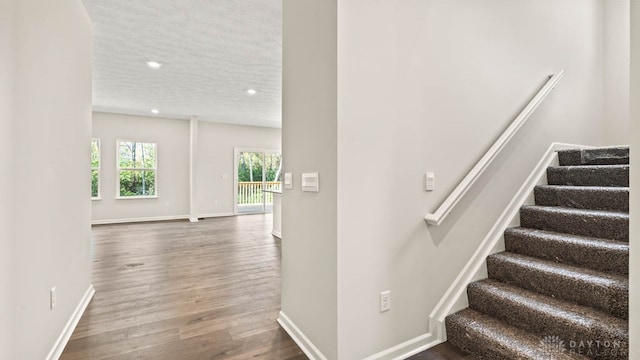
(193, 160)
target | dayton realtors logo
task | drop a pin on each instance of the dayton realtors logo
(554, 345)
(599, 348)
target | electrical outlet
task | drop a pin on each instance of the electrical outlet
(52, 298)
(385, 301)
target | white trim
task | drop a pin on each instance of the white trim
(407, 348)
(235, 180)
(445, 208)
(258, 150)
(159, 218)
(193, 219)
(214, 215)
(398, 352)
(509, 217)
(299, 338)
(65, 335)
(118, 197)
(119, 169)
(276, 234)
(236, 151)
(141, 219)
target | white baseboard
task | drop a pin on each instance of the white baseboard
(299, 338)
(160, 218)
(64, 337)
(407, 348)
(509, 217)
(398, 352)
(276, 234)
(214, 215)
(140, 219)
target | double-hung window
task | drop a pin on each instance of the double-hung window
(137, 166)
(95, 169)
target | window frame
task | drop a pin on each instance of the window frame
(98, 169)
(119, 169)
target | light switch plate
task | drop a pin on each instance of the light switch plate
(310, 182)
(430, 181)
(288, 181)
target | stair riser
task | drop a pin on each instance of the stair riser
(543, 323)
(614, 259)
(471, 342)
(614, 226)
(490, 343)
(588, 176)
(602, 156)
(612, 298)
(564, 274)
(602, 198)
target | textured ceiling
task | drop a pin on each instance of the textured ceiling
(212, 52)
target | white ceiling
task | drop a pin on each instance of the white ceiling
(212, 52)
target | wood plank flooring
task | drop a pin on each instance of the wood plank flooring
(444, 351)
(180, 290)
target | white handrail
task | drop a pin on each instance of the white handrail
(445, 208)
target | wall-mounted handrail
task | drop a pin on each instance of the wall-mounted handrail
(445, 208)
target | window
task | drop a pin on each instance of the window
(136, 169)
(95, 168)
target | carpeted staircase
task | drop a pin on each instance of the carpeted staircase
(560, 290)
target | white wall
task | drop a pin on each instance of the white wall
(309, 144)
(48, 123)
(213, 167)
(421, 85)
(428, 86)
(6, 116)
(616, 70)
(172, 178)
(634, 261)
(215, 161)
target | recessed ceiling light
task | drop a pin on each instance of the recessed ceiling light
(251, 91)
(155, 111)
(154, 64)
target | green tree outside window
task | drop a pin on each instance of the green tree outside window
(137, 168)
(95, 168)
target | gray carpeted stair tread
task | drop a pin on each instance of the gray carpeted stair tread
(595, 223)
(589, 175)
(604, 255)
(583, 197)
(597, 156)
(564, 274)
(492, 339)
(606, 292)
(543, 315)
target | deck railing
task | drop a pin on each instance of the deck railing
(250, 192)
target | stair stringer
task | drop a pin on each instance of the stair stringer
(455, 299)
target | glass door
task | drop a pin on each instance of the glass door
(257, 176)
(250, 181)
(272, 175)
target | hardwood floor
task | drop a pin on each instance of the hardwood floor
(444, 351)
(180, 290)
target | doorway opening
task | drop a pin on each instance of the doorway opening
(257, 174)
